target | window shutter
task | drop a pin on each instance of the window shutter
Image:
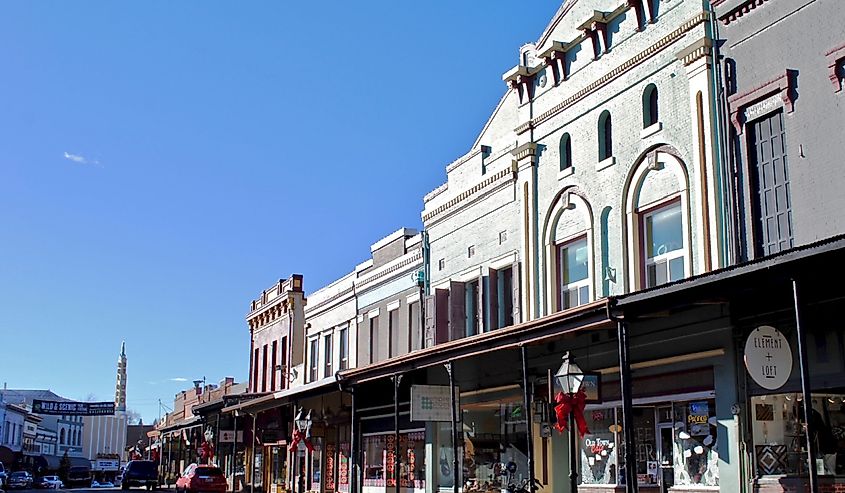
(441, 316)
(457, 310)
(429, 329)
(493, 298)
(516, 280)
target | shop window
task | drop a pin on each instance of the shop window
(664, 244)
(573, 259)
(780, 443)
(600, 455)
(379, 460)
(316, 463)
(696, 458)
(494, 444)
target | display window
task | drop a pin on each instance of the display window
(278, 466)
(675, 445)
(494, 445)
(316, 463)
(780, 441)
(379, 459)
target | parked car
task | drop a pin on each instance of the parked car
(104, 484)
(79, 477)
(20, 479)
(201, 477)
(139, 473)
(3, 478)
(50, 482)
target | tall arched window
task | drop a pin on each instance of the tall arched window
(650, 115)
(565, 152)
(605, 136)
(62, 436)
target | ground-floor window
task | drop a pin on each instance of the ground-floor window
(316, 463)
(278, 473)
(380, 454)
(780, 441)
(675, 445)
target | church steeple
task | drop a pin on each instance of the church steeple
(120, 387)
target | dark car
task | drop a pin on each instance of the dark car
(139, 473)
(79, 477)
(20, 479)
(3, 478)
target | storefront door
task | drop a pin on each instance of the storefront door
(666, 442)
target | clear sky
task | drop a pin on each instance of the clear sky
(163, 162)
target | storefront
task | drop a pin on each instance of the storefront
(380, 448)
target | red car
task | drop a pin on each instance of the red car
(202, 478)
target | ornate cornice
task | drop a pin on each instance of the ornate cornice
(348, 292)
(740, 10)
(696, 51)
(388, 270)
(632, 62)
(466, 157)
(783, 84)
(437, 191)
(469, 194)
(529, 149)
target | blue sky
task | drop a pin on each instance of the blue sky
(163, 162)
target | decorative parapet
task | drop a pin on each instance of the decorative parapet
(273, 302)
(734, 14)
(437, 191)
(461, 160)
(471, 193)
(836, 70)
(389, 269)
(555, 58)
(641, 57)
(782, 85)
(346, 293)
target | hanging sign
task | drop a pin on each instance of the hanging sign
(768, 357)
(71, 408)
(432, 403)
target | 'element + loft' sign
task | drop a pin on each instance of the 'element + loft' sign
(768, 357)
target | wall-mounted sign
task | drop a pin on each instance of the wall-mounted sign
(431, 403)
(768, 357)
(591, 384)
(106, 464)
(228, 436)
(71, 408)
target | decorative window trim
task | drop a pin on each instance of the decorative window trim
(567, 172)
(586, 282)
(393, 305)
(835, 57)
(782, 85)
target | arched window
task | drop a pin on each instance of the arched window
(62, 436)
(650, 115)
(565, 152)
(605, 136)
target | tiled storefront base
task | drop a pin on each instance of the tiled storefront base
(600, 488)
(798, 485)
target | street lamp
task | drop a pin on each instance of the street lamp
(570, 377)
(303, 425)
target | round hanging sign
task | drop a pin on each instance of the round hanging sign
(768, 357)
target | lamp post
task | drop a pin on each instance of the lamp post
(303, 424)
(570, 377)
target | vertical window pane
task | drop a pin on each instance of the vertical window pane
(676, 269)
(575, 258)
(664, 231)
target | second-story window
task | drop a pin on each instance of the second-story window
(565, 152)
(264, 368)
(312, 359)
(328, 354)
(273, 362)
(255, 371)
(605, 136)
(284, 363)
(392, 332)
(573, 259)
(344, 348)
(664, 244)
(373, 339)
(650, 115)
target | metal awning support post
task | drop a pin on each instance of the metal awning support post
(627, 406)
(353, 444)
(254, 441)
(453, 405)
(526, 404)
(217, 441)
(397, 381)
(234, 450)
(803, 364)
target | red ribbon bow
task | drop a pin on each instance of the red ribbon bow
(298, 436)
(206, 451)
(565, 404)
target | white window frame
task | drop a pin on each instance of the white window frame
(577, 285)
(313, 359)
(342, 342)
(663, 258)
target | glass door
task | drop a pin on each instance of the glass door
(667, 470)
